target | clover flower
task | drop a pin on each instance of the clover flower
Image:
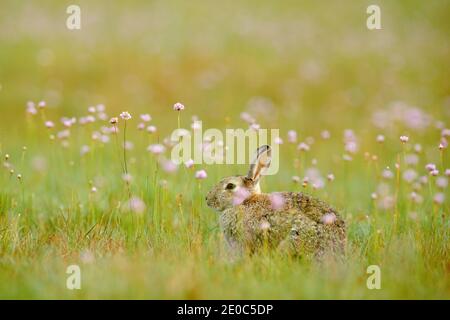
(240, 196)
(49, 124)
(201, 174)
(145, 117)
(178, 106)
(125, 115)
(151, 129)
(329, 218)
(380, 138)
(156, 148)
(276, 201)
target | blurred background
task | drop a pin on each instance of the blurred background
(303, 65)
(313, 63)
(308, 66)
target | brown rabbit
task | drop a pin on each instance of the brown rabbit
(298, 224)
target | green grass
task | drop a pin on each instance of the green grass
(319, 67)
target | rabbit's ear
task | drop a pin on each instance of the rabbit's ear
(260, 163)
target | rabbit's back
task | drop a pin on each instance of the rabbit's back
(298, 225)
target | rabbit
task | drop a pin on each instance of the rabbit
(301, 225)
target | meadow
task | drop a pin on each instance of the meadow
(364, 125)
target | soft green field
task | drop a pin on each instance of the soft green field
(307, 66)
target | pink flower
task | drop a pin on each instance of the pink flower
(84, 149)
(442, 182)
(240, 195)
(151, 129)
(114, 130)
(128, 145)
(409, 175)
(265, 225)
(141, 126)
(68, 122)
(64, 134)
(329, 218)
(380, 138)
(430, 167)
(100, 107)
(445, 132)
(127, 177)
(42, 104)
(278, 140)
(136, 205)
(247, 117)
(201, 174)
(125, 115)
(325, 134)
(387, 174)
(292, 136)
(189, 163)
(439, 198)
(415, 197)
(434, 172)
(31, 109)
(156, 148)
(276, 201)
(303, 147)
(417, 148)
(49, 124)
(447, 172)
(169, 166)
(178, 107)
(114, 120)
(411, 159)
(351, 147)
(89, 119)
(146, 117)
(404, 139)
(423, 179)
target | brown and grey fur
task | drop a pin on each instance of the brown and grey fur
(297, 227)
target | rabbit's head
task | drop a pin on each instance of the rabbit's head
(233, 190)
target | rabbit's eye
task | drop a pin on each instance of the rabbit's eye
(230, 186)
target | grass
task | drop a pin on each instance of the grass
(317, 67)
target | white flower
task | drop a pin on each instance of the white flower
(303, 147)
(265, 225)
(125, 115)
(178, 106)
(404, 139)
(380, 138)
